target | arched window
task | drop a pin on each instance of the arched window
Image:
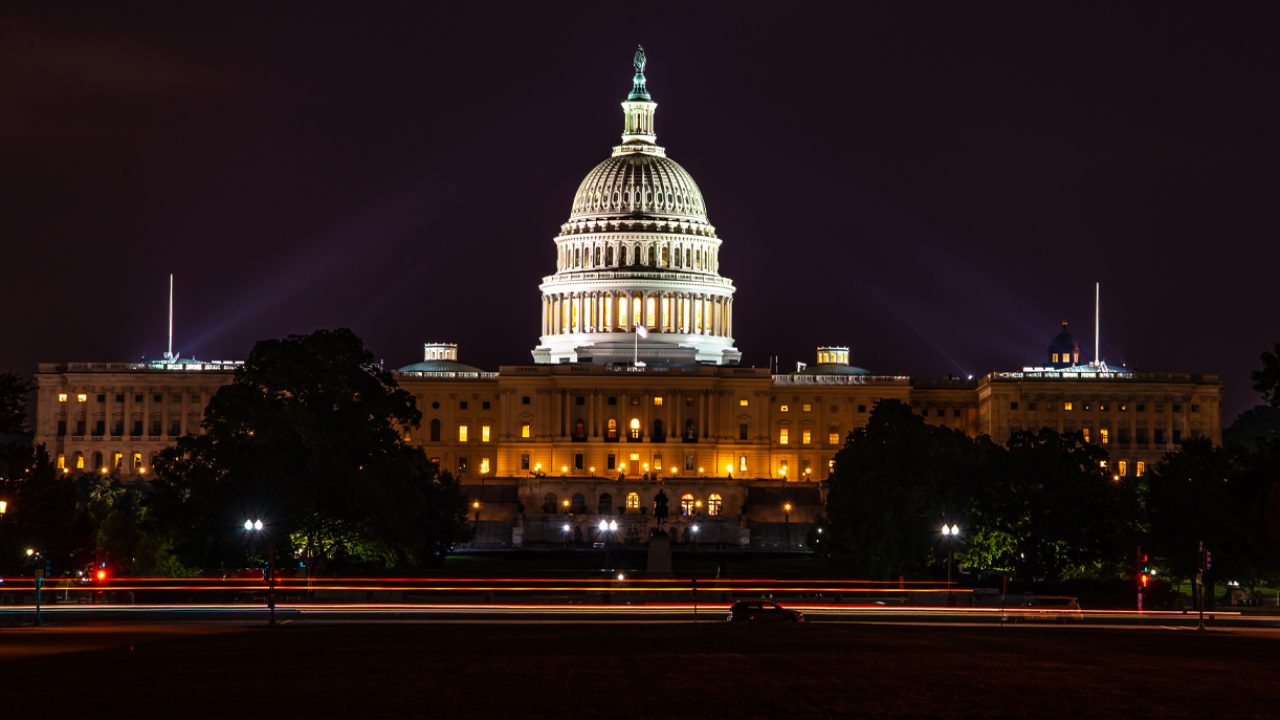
(666, 256)
(550, 504)
(578, 505)
(715, 504)
(636, 432)
(686, 504)
(608, 256)
(633, 501)
(611, 429)
(742, 463)
(605, 505)
(97, 460)
(435, 429)
(690, 431)
(579, 430)
(79, 460)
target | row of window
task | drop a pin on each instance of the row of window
(79, 461)
(99, 427)
(689, 504)
(119, 398)
(1068, 406)
(597, 255)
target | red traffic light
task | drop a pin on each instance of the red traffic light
(101, 575)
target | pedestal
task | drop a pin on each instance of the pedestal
(659, 556)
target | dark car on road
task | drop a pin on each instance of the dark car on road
(762, 611)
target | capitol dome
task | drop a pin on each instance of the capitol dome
(637, 185)
(637, 276)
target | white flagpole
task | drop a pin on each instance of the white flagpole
(169, 355)
(1097, 322)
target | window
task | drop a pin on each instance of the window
(82, 397)
(1177, 407)
(743, 402)
(485, 404)
(715, 504)
(1067, 406)
(484, 466)
(633, 501)
(1159, 436)
(1195, 408)
(782, 436)
(611, 429)
(117, 459)
(578, 461)
(861, 408)
(525, 430)
(550, 503)
(435, 430)
(613, 400)
(1105, 435)
(1031, 405)
(783, 408)
(579, 400)
(611, 461)
(1085, 433)
(635, 457)
(62, 397)
(687, 506)
(62, 461)
(462, 404)
(1122, 467)
(1053, 357)
(1140, 469)
(462, 433)
(690, 462)
(80, 460)
(463, 464)
(526, 400)
(62, 427)
(484, 433)
(636, 432)
(157, 398)
(1013, 405)
(743, 431)
(1142, 407)
(102, 397)
(524, 461)
(742, 463)
(657, 401)
(833, 437)
(806, 407)
(806, 436)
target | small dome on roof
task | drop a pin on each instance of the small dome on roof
(1064, 351)
(440, 358)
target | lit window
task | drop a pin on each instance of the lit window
(62, 462)
(62, 397)
(715, 504)
(611, 430)
(1105, 435)
(657, 401)
(635, 428)
(80, 461)
(806, 437)
(806, 407)
(633, 501)
(1085, 432)
(742, 463)
(784, 408)
(743, 402)
(484, 466)
(833, 438)
(82, 398)
(484, 433)
(524, 430)
(462, 433)
(686, 504)
(1054, 357)
(635, 457)
(1141, 469)
(782, 469)
(1102, 464)
(1066, 406)
(1122, 467)
(116, 460)
(137, 460)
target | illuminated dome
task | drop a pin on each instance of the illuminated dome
(637, 276)
(638, 185)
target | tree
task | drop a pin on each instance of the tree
(307, 438)
(1196, 495)
(895, 482)
(1048, 509)
(1266, 379)
(14, 392)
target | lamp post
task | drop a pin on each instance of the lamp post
(949, 535)
(269, 570)
(786, 519)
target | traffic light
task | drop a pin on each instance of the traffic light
(1208, 560)
(1144, 574)
(100, 575)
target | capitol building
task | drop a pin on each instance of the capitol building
(635, 389)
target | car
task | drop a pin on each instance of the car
(1059, 608)
(762, 611)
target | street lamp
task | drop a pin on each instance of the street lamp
(475, 505)
(949, 535)
(695, 530)
(786, 519)
(269, 572)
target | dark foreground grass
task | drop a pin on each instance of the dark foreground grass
(655, 670)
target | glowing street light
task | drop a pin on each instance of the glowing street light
(268, 572)
(949, 535)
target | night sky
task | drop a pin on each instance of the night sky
(937, 187)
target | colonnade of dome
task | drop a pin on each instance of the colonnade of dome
(611, 311)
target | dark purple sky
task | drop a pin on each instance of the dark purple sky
(936, 187)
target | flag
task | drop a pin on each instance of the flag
(642, 331)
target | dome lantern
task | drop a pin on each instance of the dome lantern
(637, 112)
